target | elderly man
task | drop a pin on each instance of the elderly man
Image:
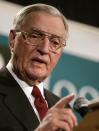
(36, 43)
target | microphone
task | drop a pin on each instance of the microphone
(81, 106)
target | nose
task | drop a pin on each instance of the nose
(43, 47)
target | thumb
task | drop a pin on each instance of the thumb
(64, 101)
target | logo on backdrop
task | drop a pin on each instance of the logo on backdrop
(75, 74)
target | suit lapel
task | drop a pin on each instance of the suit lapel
(50, 98)
(18, 103)
(20, 107)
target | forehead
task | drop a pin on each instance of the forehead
(45, 22)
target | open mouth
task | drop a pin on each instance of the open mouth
(39, 61)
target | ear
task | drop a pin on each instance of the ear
(11, 40)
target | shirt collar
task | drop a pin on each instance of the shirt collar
(25, 87)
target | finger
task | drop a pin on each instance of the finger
(64, 101)
(69, 114)
(64, 114)
(73, 117)
(62, 126)
(68, 117)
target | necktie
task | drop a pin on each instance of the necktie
(39, 102)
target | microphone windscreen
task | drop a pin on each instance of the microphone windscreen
(81, 106)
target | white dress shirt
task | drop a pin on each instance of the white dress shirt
(27, 89)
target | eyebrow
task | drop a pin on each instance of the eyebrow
(41, 31)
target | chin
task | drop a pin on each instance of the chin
(36, 75)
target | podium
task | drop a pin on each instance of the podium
(90, 121)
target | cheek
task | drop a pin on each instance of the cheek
(20, 52)
(18, 46)
(53, 61)
(21, 49)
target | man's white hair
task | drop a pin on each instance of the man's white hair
(20, 16)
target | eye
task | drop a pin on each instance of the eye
(55, 41)
(34, 35)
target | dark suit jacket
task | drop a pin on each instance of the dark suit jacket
(16, 112)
